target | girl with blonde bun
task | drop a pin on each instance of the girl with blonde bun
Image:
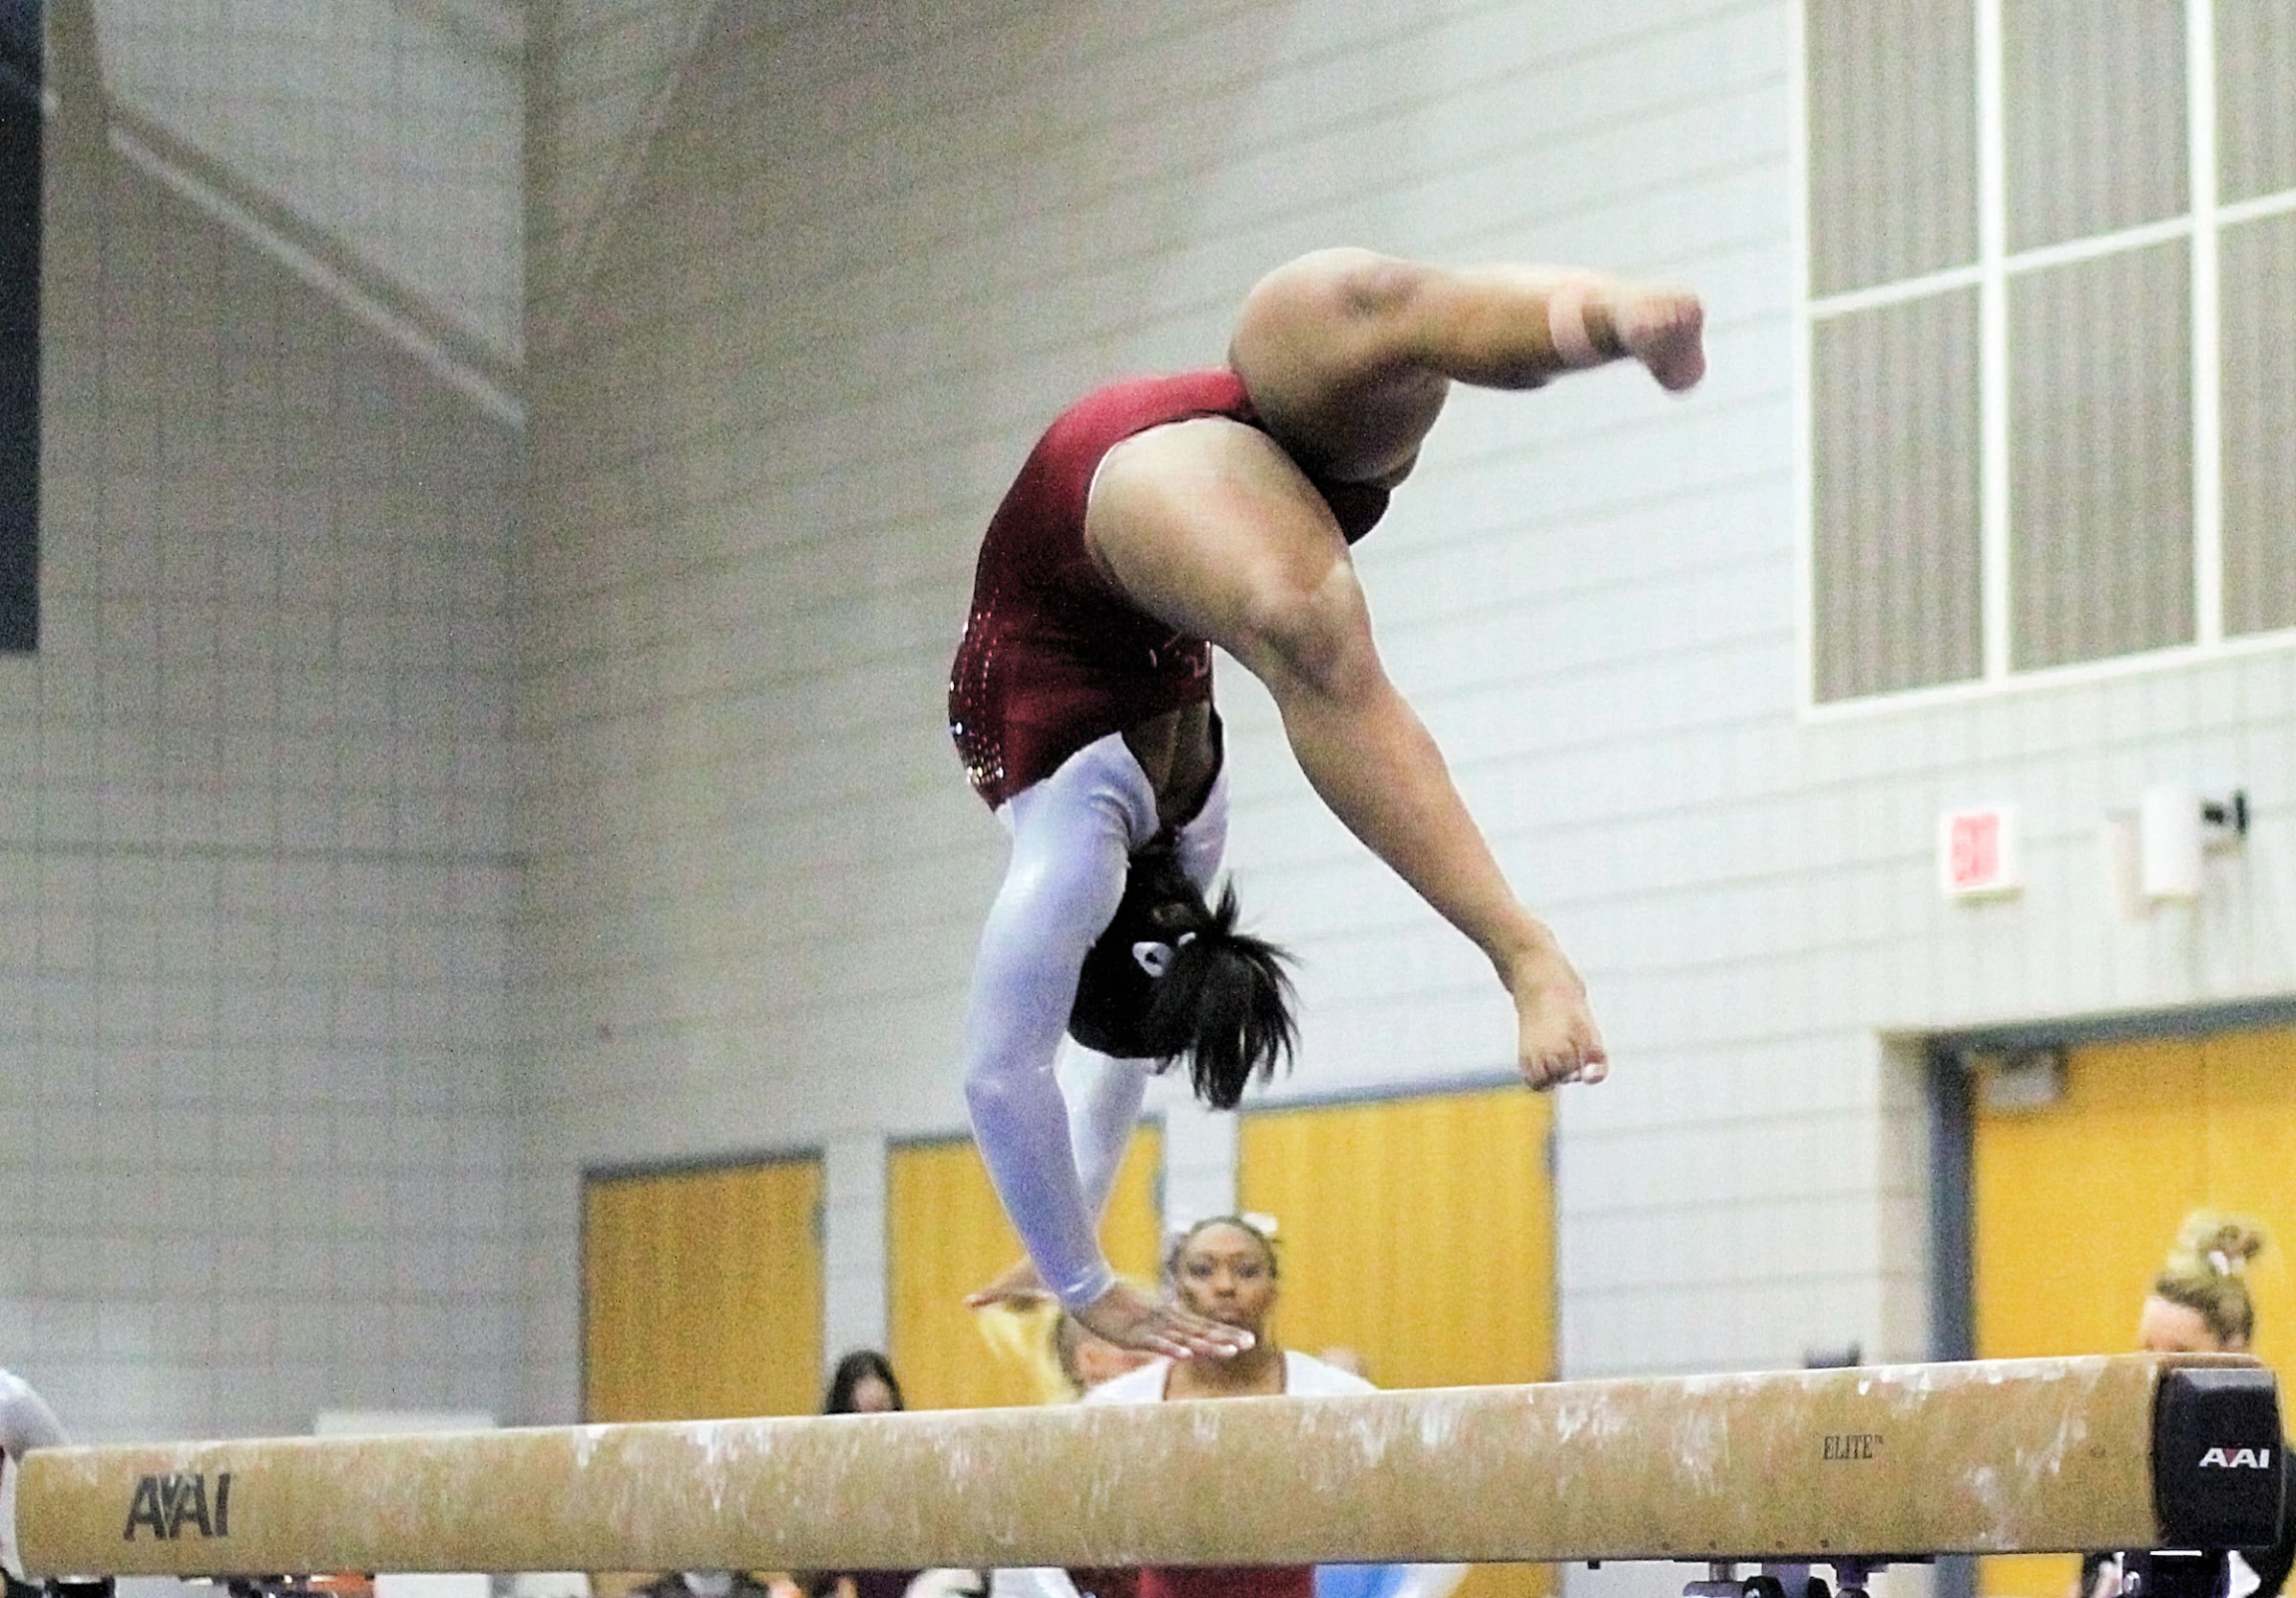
(2201, 1303)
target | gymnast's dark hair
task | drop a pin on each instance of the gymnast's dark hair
(1225, 1008)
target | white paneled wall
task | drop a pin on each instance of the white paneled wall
(254, 889)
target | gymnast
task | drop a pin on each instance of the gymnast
(1154, 520)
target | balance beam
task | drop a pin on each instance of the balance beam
(1889, 1461)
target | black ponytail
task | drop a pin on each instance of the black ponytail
(1170, 978)
(1225, 1007)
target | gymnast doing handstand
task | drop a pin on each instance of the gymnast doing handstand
(1155, 519)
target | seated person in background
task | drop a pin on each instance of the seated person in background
(1062, 1358)
(862, 1385)
(26, 1421)
(1066, 1361)
(1365, 1581)
(2201, 1303)
(1224, 1270)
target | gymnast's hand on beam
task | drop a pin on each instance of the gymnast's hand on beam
(1556, 1040)
(1129, 1318)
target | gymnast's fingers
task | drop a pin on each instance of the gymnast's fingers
(1131, 1320)
(1017, 1297)
(1182, 1335)
(1211, 1338)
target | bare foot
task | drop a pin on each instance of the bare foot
(1664, 329)
(1017, 1283)
(1556, 1040)
(1129, 1318)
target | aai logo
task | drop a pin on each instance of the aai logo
(164, 1505)
(2236, 1459)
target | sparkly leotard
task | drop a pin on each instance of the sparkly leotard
(1053, 657)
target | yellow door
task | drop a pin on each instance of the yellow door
(2076, 1206)
(2252, 1168)
(946, 1235)
(702, 1293)
(1419, 1233)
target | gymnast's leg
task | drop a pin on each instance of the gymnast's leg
(1214, 527)
(1209, 526)
(1348, 355)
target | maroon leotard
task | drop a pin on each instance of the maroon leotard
(1053, 657)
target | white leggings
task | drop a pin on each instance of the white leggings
(1054, 1155)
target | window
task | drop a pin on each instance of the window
(2050, 333)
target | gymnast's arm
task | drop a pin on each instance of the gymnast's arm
(1104, 1096)
(1071, 842)
(1073, 835)
(1104, 1092)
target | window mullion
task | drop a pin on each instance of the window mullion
(2207, 392)
(1992, 344)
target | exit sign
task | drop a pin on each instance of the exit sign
(1976, 852)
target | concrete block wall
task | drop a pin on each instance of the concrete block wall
(255, 883)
